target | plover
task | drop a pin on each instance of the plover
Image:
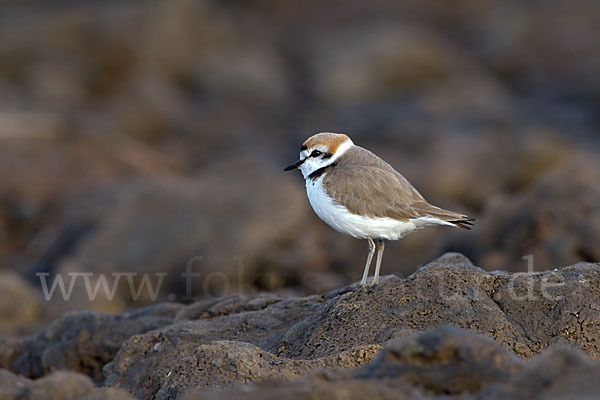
(357, 193)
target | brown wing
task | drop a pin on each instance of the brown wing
(372, 191)
(367, 185)
(460, 220)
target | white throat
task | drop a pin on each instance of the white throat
(311, 165)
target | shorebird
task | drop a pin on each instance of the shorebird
(357, 193)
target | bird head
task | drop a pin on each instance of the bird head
(319, 151)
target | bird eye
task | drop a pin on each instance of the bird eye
(315, 153)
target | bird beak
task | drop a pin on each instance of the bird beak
(294, 165)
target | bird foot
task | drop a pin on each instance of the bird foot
(358, 288)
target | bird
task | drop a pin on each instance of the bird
(359, 194)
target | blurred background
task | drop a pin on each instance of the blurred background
(137, 135)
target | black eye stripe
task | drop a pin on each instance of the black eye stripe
(317, 153)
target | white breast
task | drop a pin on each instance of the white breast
(340, 219)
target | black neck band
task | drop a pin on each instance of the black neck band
(317, 173)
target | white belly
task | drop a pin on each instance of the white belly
(340, 219)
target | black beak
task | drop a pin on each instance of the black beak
(294, 165)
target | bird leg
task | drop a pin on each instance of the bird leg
(363, 282)
(380, 248)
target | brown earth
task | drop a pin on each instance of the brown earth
(450, 328)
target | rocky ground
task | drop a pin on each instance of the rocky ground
(450, 329)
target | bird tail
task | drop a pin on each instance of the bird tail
(465, 223)
(451, 217)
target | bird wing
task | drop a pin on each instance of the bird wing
(373, 191)
(367, 185)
